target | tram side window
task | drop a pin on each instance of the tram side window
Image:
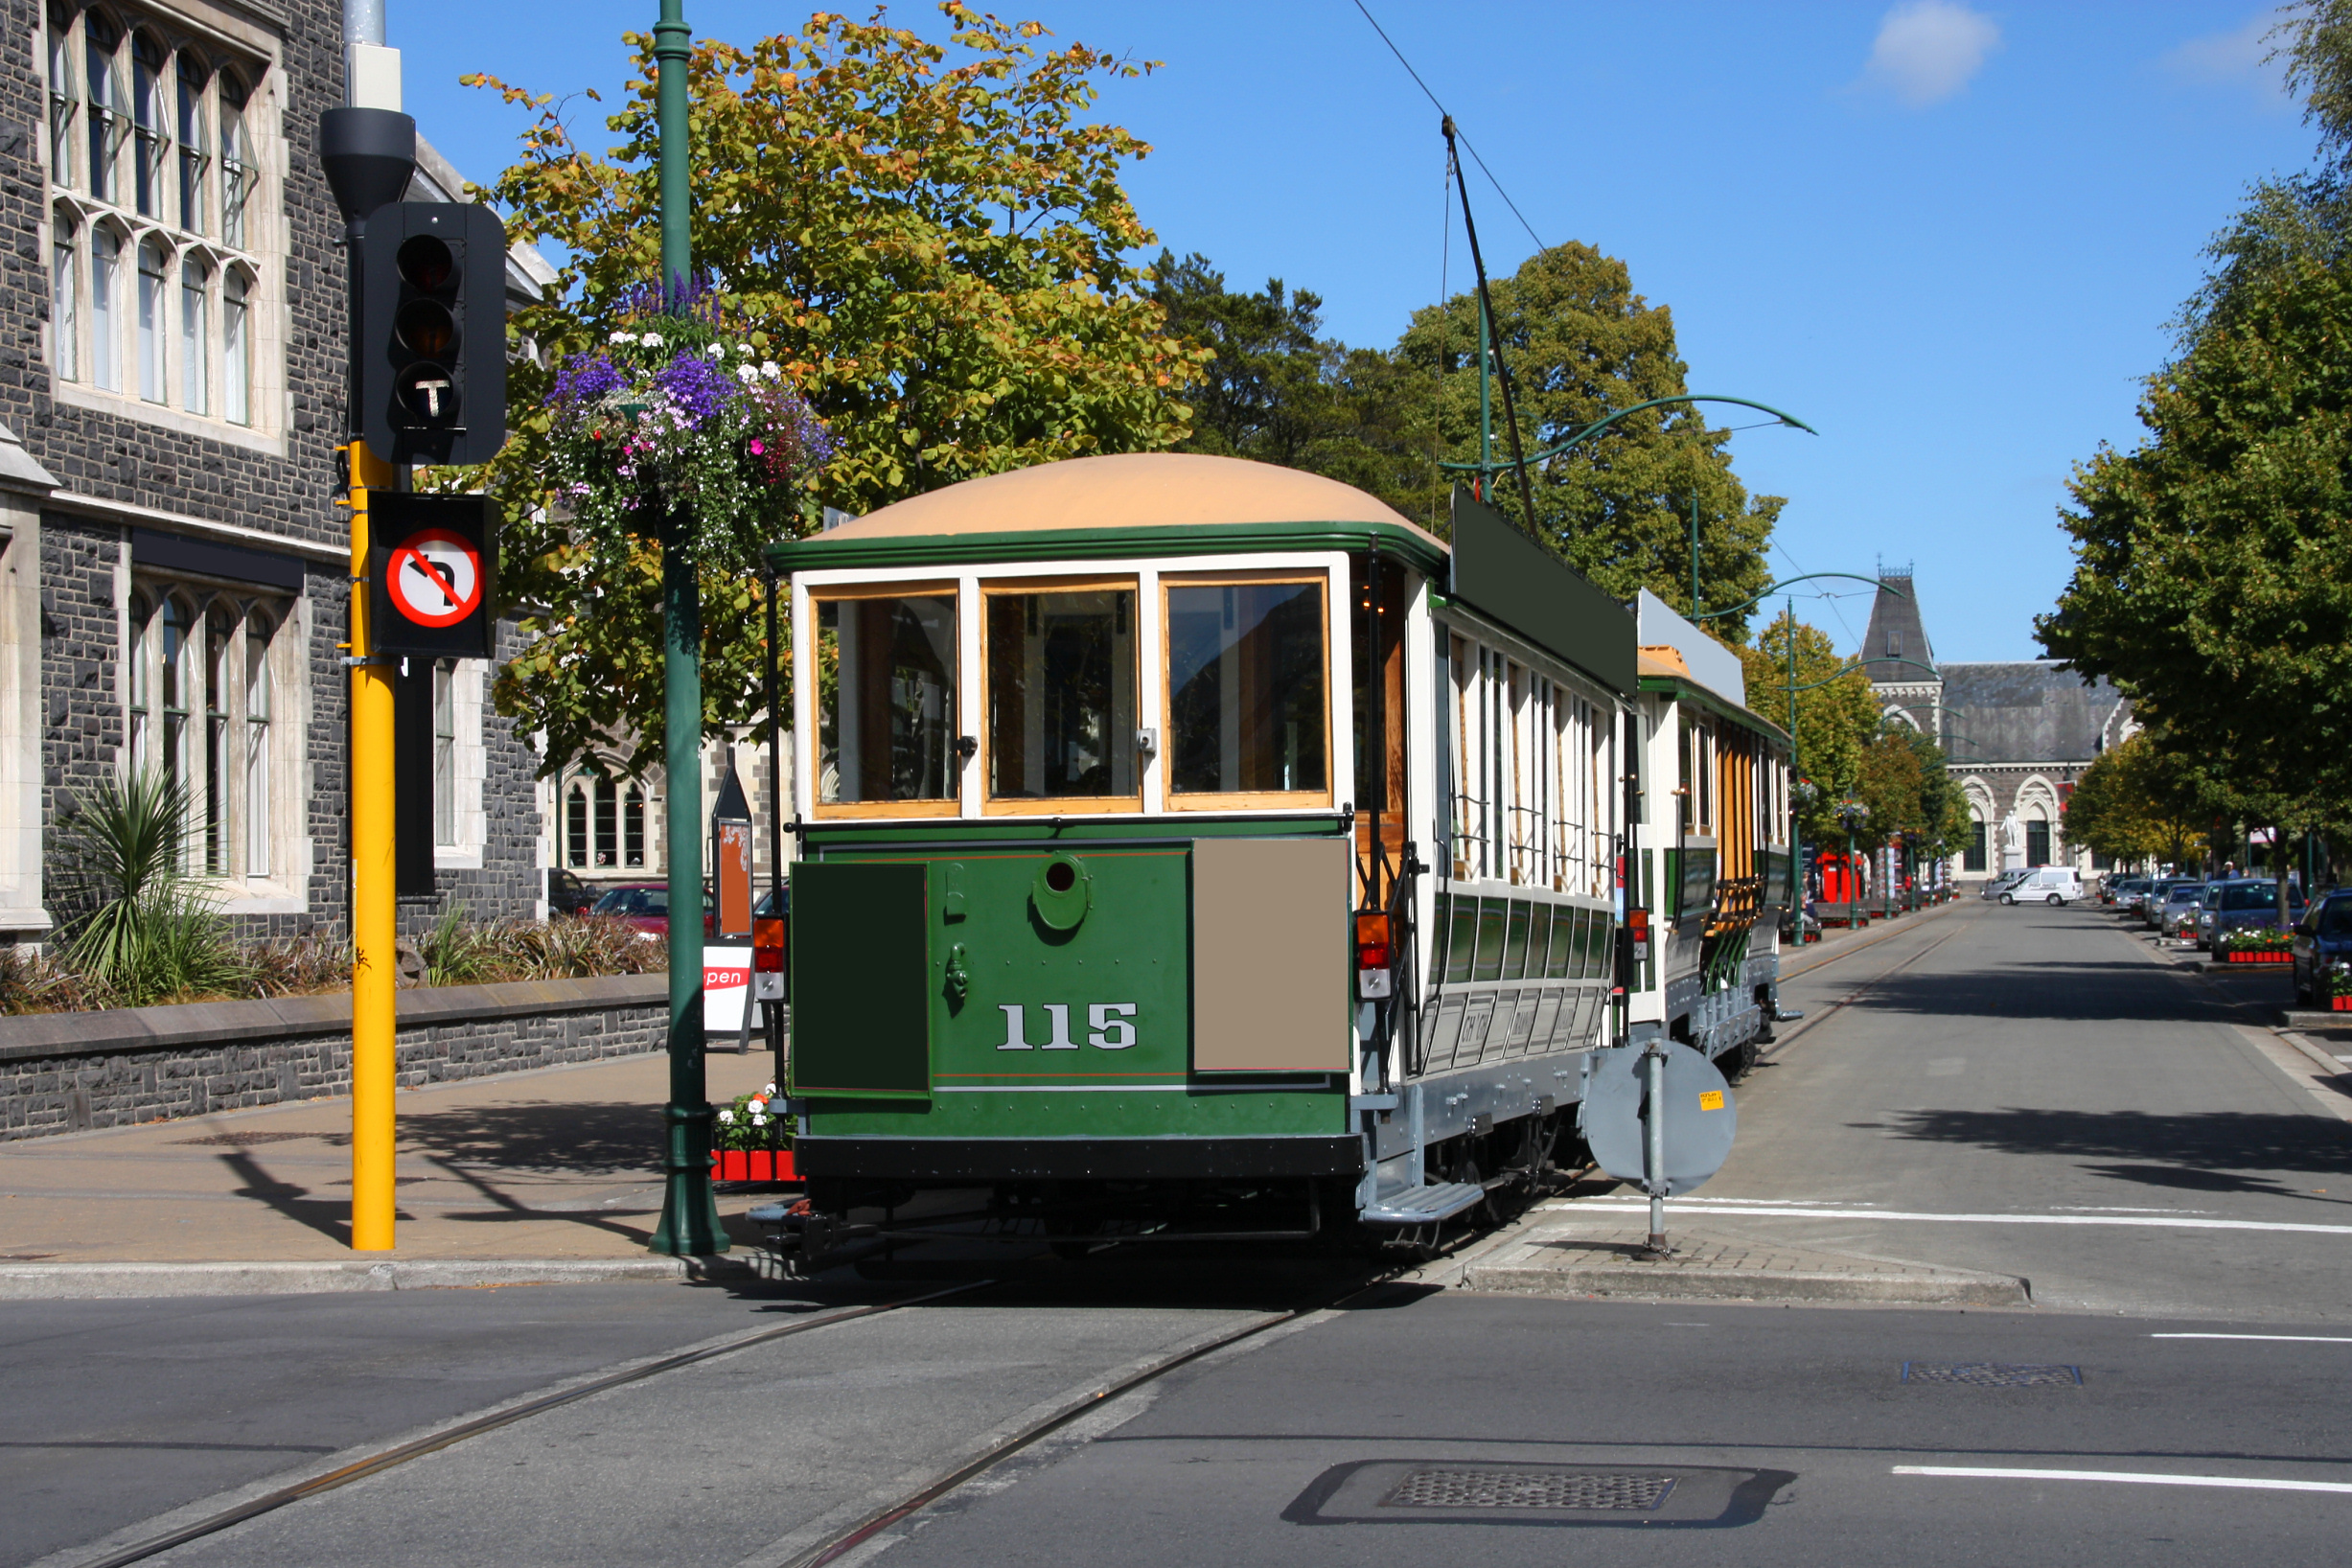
(1247, 688)
(1060, 694)
(887, 707)
(1460, 937)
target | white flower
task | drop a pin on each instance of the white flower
(745, 374)
(759, 1121)
(621, 337)
(717, 351)
(727, 1117)
(746, 348)
(769, 1092)
(651, 340)
(770, 369)
(755, 1105)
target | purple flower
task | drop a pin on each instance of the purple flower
(584, 380)
(697, 388)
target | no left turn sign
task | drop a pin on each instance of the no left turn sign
(436, 577)
(432, 573)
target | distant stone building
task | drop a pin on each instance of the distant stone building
(2017, 733)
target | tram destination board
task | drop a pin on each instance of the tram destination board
(432, 576)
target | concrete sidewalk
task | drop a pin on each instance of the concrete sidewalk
(556, 1169)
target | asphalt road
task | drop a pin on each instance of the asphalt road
(2126, 1141)
(1784, 1430)
(2001, 1089)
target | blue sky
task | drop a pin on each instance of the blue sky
(1948, 234)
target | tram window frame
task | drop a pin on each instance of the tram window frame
(1121, 736)
(1175, 800)
(1567, 942)
(832, 594)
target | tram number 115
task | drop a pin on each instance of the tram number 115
(1109, 1026)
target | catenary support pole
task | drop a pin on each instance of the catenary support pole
(689, 1216)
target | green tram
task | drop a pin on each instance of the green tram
(1714, 874)
(1194, 847)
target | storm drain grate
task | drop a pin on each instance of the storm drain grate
(1527, 1489)
(246, 1141)
(1991, 1374)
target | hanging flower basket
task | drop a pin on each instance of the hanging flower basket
(679, 422)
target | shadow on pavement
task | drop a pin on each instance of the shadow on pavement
(2204, 1151)
(553, 1136)
(2084, 992)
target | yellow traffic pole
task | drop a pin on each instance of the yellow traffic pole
(373, 928)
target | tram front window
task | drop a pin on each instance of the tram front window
(887, 702)
(1247, 688)
(1060, 694)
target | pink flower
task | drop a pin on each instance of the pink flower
(758, 450)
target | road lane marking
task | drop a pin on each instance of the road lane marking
(1792, 1212)
(2243, 1482)
(2112, 1208)
(2298, 1339)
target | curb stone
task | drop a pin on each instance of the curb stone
(1637, 1280)
(88, 1281)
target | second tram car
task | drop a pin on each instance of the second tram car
(1191, 845)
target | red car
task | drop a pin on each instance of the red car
(644, 905)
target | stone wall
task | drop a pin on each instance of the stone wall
(70, 1072)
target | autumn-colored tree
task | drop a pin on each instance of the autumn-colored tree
(2138, 802)
(931, 240)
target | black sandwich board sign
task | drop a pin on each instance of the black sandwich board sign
(432, 576)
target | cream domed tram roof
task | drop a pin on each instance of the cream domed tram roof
(1139, 490)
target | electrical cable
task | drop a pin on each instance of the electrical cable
(1466, 141)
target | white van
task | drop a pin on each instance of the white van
(1998, 887)
(2045, 884)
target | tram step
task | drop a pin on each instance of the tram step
(1423, 1205)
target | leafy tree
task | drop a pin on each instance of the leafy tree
(1271, 390)
(931, 240)
(1904, 779)
(2138, 802)
(1580, 343)
(1835, 722)
(2213, 577)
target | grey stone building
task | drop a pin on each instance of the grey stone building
(2016, 733)
(172, 385)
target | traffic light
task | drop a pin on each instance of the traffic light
(429, 334)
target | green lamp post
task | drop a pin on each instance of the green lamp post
(689, 1215)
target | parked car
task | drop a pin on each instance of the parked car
(2118, 891)
(2045, 884)
(568, 894)
(2322, 945)
(644, 905)
(2242, 903)
(2152, 909)
(2177, 916)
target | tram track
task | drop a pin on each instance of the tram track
(434, 1443)
(996, 1447)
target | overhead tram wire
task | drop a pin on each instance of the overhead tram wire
(1442, 109)
(1494, 345)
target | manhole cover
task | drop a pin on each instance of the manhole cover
(1527, 1489)
(1991, 1374)
(246, 1141)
